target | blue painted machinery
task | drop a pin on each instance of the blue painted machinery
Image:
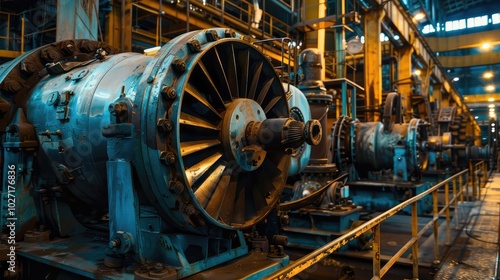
(317, 209)
(390, 162)
(385, 160)
(130, 166)
(448, 150)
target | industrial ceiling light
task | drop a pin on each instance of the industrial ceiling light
(490, 88)
(418, 16)
(488, 75)
(456, 79)
(491, 106)
(486, 46)
(491, 99)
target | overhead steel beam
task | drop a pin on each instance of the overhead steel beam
(470, 60)
(473, 99)
(475, 40)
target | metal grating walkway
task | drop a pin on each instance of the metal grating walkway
(474, 253)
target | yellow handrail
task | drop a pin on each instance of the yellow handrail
(374, 225)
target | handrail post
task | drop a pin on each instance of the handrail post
(485, 172)
(467, 180)
(472, 168)
(447, 211)
(455, 202)
(461, 187)
(435, 225)
(414, 234)
(376, 252)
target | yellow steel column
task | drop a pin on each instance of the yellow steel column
(404, 82)
(314, 9)
(126, 25)
(112, 26)
(373, 63)
(119, 25)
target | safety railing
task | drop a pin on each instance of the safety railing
(242, 12)
(11, 41)
(478, 178)
(237, 15)
(284, 68)
(459, 188)
(347, 64)
(24, 31)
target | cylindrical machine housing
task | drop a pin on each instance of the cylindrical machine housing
(374, 149)
(179, 117)
(371, 148)
(68, 112)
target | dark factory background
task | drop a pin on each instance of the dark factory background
(260, 138)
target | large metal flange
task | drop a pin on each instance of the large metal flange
(226, 83)
(417, 158)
